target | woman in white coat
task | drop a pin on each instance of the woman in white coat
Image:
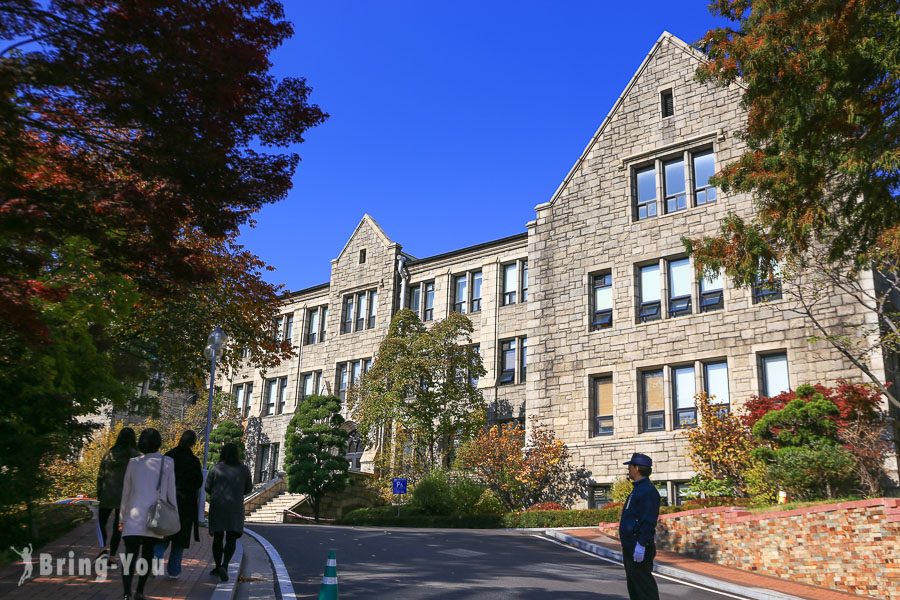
(139, 495)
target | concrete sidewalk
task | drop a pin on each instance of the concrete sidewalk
(712, 575)
(194, 583)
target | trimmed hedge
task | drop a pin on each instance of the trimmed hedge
(410, 516)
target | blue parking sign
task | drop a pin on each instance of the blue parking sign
(399, 485)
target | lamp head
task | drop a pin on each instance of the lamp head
(217, 339)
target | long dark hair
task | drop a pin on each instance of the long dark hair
(229, 454)
(126, 438)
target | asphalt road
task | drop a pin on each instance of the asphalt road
(441, 564)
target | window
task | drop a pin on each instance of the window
(428, 313)
(243, 396)
(460, 295)
(473, 381)
(362, 256)
(673, 182)
(283, 327)
(684, 387)
(415, 298)
(715, 381)
(704, 168)
(523, 344)
(649, 309)
(355, 372)
(289, 327)
(682, 492)
(342, 381)
(602, 408)
(774, 374)
(510, 283)
(275, 392)
(599, 496)
(667, 103)
(711, 294)
(679, 287)
(507, 362)
(524, 281)
(476, 291)
(663, 488)
(653, 403)
(310, 385)
(645, 192)
(315, 324)
(347, 315)
(601, 311)
(359, 311)
(767, 286)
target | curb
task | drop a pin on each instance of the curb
(225, 590)
(284, 587)
(753, 593)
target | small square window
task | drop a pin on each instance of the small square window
(667, 103)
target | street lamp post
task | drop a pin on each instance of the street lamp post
(215, 342)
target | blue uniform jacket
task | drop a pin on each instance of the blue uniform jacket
(638, 523)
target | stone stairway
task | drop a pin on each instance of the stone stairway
(273, 510)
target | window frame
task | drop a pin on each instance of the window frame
(644, 314)
(647, 415)
(475, 302)
(650, 205)
(713, 298)
(696, 191)
(598, 429)
(593, 490)
(507, 376)
(763, 357)
(667, 103)
(680, 198)
(677, 411)
(427, 289)
(601, 318)
(509, 297)
(724, 407)
(460, 305)
(678, 306)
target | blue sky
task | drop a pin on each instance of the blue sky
(449, 121)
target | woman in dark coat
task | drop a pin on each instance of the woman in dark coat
(109, 487)
(188, 479)
(226, 484)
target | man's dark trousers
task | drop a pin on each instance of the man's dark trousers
(641, 585)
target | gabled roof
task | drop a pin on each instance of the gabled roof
(375, 226)
(663, 38)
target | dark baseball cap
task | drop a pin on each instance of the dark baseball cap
(639, 460)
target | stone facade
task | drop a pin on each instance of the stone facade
(590, 226)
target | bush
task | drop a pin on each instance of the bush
(465, 494)
(50, 522)
(433, 495)
(562, 518)
(621, 489)
(812, 472)
(489, 504)
(413, 517)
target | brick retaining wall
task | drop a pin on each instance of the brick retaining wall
(852, 546)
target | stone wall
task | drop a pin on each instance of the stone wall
(852, 546)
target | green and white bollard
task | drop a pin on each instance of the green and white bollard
(329, 588)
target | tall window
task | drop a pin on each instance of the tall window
(460, 293)
(476, 291)
(415, 298)
(523, 351)
(704, 168)
(373, 308)
(275, 391)
(602, 408)
(311, 382)
(507, 362)
(684, 387)
(645, 192)
(712, 296)
(473, 380)
(653, 402)
(324, 318)
(361, 310)
(283, 327)
(289, 327)
(601, 310)
(349, 373)
(673, 182)
(767, 286)
(524, 281)
(679, 287)
(666, 103)
(342, 381)
(428, 292)
(774, 369)
(715, 381)
(649, 309)
(315, 324)
(347, 315)
(510, 283)
(243, 395)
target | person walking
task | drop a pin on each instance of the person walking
(226, 484)
(188, 479)
(147, 478)
(637, 529)
(110, 479)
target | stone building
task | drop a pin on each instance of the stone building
(592, 320)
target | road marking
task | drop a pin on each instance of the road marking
(461, 552)
(281, 572)
(615, 562)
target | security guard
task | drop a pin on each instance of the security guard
(637, 529)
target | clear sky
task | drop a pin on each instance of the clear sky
(449, 121)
